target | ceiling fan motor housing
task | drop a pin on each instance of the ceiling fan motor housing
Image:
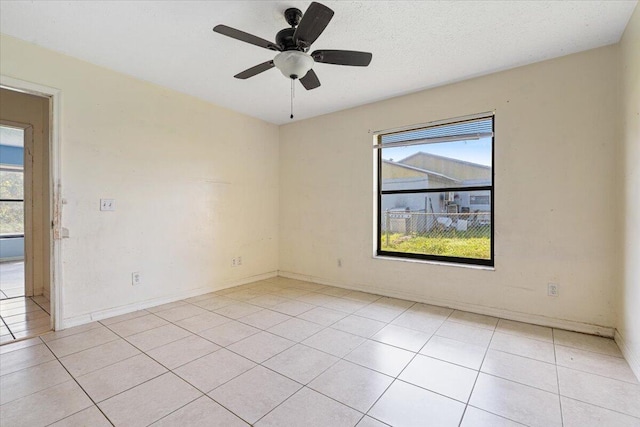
(293, 64)
(284, 39)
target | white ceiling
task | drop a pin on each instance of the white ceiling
(415, 44)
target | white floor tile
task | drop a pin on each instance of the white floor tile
(465, 333)
(586, 342)
(123, 317)
(458, 352)
(601, 391)
(148, 402)
(137, 325)
(310, 409)
(228, 333)
(121, 376)
(19, 345)
(522, 370)
(72, 344)
(24, 382)
(360, 326)
(238, 310)
(526, 330)
(397, 336)
(23, 358)
(420, 321)
(214, 369)
(595, 363)
(261, 346)
(90, 417)
(182, 351)
(444, 378)
(202, 322)
(380, 311)
(264, 319)
(367, 421)
(334, 342)
(473, 319)
(215, 302)
(255, 393)
(98, 357)
(521, 403)
(380, 357)
(323, 316)
(268, 300)
(407, 405)
(157, 337)
(580, 414)
(296, 329)
(45, 407)
(352, 385)
(201, 412)
(474, 417)
(525, 347)
(301, 363)
(293, 308)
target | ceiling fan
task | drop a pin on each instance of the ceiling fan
(293, 44)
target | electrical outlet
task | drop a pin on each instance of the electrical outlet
(136, 278)
(553, 289)
(107, 204)
(239, 261)
(234, 262)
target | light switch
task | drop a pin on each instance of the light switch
(107, 204)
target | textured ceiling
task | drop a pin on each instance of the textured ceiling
(415, 44)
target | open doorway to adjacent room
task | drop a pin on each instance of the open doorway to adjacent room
(25, 216)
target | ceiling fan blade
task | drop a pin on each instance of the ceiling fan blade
(250, 72)
(342, 57)
(245, 37)
(310, 80)
(313, 23)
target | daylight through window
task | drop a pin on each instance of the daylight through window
(435, 191)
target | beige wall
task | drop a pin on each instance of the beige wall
(194, 184)
(33, 110)
(629, 299)
(555, 204)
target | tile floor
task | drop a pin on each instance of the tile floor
(11, 279)
(282, 352)
(23, 317)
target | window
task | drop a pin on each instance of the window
(11, 182)
(435, 191)
(11, 201)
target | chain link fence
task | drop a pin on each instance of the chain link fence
(466, 234)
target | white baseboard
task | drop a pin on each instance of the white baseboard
(632, 359)
(534, 319)
(129, 308)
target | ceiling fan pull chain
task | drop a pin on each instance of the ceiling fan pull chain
(292, 88)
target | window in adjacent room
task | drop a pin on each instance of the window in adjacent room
(435, 191)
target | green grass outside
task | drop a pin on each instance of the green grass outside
(470, 245)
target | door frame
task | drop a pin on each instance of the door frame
(55, 188)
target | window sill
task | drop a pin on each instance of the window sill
(442, 263)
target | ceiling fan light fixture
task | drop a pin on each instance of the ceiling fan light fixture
(293, 64)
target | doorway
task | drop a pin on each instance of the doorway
(25, 216)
